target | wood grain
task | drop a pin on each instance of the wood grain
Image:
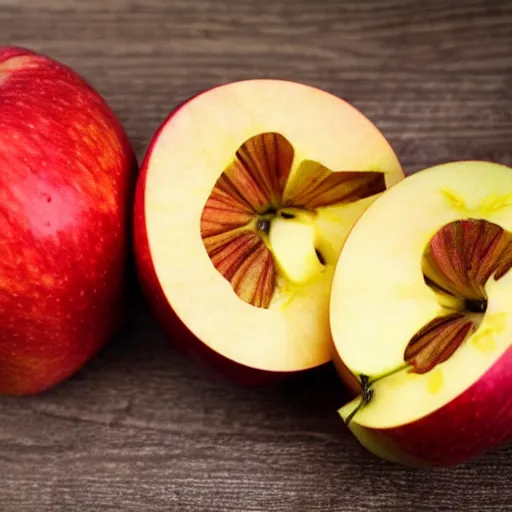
(142, 429)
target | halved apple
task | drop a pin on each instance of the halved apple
(420, 312)
(244, 201)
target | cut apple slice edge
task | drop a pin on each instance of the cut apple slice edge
(182, 170)
(380, 299)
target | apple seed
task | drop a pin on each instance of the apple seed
(437, 341)
(320, 257)
(314, 186)
(263, 225)
(457, 263)
(475, 305)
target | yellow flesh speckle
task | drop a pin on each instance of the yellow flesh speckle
(454, 201)
(485, 338)
(435, 382)
(490, 204)
(494, 203)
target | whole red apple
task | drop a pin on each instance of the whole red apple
(67, 169)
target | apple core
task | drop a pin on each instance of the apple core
(457, 263)
(259, 222)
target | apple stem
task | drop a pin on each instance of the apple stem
(367, 390)
(367, 395)
(387, 374)
(354, 412)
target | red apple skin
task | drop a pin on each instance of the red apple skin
(66, 183)
(349, 380)
(477, 421)
(179, 335)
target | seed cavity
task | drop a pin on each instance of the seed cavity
(457, 263)
(252, 191)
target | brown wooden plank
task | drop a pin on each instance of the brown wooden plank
(142, 429)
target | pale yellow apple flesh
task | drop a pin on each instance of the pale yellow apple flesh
(293, 244)
(380, 300)
(255, 151)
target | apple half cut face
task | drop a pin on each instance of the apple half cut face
(421, 313)
(246, 197)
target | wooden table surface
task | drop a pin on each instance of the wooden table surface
(142, 429)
